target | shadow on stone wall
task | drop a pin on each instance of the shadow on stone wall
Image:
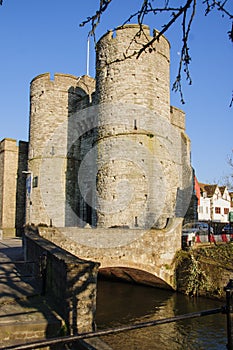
(20, 212)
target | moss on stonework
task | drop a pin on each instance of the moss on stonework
(204, 271)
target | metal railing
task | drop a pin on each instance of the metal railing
(226, 309)
(70, 339)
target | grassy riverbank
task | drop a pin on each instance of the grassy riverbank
(205, 270)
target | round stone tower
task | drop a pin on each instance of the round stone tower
(138, 151)
(143, 80)
(53, 154)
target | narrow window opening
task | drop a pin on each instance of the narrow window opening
(136, 221)
(35, 181)
(52, 151)
(135, 124)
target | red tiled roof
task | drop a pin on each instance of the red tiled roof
(222, 189)
(209, 189)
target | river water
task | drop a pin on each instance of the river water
(122, 304)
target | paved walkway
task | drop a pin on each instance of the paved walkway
(11, 248)
(24, 314)
(12, 285)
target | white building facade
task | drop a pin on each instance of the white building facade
(214, 203)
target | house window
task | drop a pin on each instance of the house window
(226, 210)
(200, 210)
(217, 210)
(207, 210)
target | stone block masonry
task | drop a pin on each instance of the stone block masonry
(110, 152)
(141, 151)
(53, 154)
(70, 282)
(143, 81)
(13, 160)
(20, 213)
(147, 256)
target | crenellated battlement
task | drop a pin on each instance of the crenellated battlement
(129, 29)
(131, 37)
(143, 80)
(125, 30)
(63, 81)
(58, 77)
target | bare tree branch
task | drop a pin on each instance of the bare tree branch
(219, 5)
(185, 57)
(95, 19)
(231, 103)
(229, 178)
(231, 33)
(185, 12)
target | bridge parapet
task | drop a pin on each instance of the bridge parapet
(69, 281)
(144, 256)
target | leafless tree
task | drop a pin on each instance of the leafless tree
(183, 10)
(227, 180)
(230, 177)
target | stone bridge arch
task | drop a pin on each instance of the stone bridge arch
(145, 256)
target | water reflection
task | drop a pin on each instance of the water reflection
(120, 303)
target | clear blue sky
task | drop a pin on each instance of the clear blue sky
(44, 36)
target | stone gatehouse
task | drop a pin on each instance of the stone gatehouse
(109, 152)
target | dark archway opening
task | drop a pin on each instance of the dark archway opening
(131, 275)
